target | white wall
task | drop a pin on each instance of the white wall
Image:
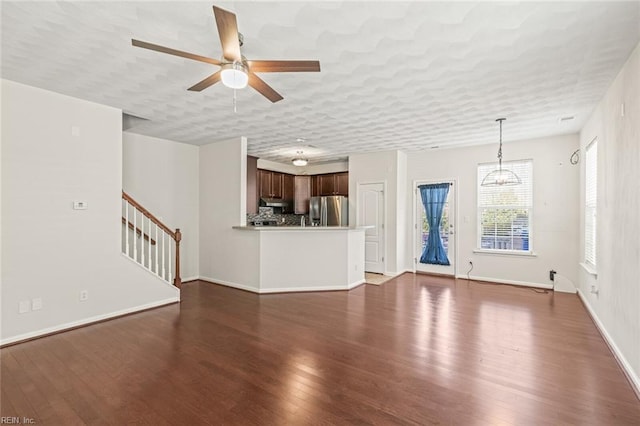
(227, 256)
(49, 250)
(402, 224)
(555, 211)
(384, 167)
(163, 176)
(308, 260)
(616, 306)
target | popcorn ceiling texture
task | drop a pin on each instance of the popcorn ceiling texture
(401, 75)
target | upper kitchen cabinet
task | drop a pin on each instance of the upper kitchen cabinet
(288, 187)
(326, 184)
(331, 184)
(341, 183)
(270, 184)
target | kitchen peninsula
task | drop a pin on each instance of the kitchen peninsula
(311, 258)
(268, 259)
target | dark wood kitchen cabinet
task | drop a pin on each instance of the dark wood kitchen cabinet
(270, 184)
(298, 189)
(341, 184)
(275, 185)
(288, 187)
(326, 184)
(331, 184)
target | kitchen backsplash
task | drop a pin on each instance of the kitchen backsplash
(267, 212)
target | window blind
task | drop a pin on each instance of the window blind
(505, 212)
(591, 196)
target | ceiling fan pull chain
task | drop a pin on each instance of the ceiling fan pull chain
(234, 101)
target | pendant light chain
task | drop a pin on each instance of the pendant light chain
(500, 120)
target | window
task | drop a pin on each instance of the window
(505, 212)
(590, 203)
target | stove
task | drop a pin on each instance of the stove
(264, 221)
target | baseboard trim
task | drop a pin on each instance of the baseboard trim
(500, 281)
(631, 375)
(356, 284)
(434, 274)
(188, 279)
(280, 289)
(229, 284)
(85, 322)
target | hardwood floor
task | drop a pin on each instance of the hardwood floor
(416, 350)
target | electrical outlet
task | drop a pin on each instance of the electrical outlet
(24, 306)
(84, 295)
(36, 304)
(471, 262)
(594, 289)
(552, 275)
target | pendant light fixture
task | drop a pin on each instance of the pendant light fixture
(500, 176)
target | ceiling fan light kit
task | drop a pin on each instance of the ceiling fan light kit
(500, 176)
(235, 71)
(234, 75)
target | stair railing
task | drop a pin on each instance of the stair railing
(146, 245)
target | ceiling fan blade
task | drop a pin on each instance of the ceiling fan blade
(228, 32)
(284, 66)
(263, 88)
(209, 81)
(175, 52)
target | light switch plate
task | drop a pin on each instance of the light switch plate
(36, 304)
(80, 205)
(24, 306)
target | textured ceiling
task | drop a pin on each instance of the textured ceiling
(401, 75)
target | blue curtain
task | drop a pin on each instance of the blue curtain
(434, 197)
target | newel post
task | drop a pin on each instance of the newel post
(177, 280)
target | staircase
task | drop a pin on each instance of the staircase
(149, 242)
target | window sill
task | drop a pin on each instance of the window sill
(509, 253)
(590, 269)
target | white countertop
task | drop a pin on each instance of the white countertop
(301, 228)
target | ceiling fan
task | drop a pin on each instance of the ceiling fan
(235, 70)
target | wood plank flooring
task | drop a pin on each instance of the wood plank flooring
(417, 350)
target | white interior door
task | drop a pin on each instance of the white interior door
(447, 231)
(371, 213)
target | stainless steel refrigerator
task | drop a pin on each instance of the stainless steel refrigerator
(329, 211)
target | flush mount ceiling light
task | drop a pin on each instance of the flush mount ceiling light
(500, 176)
(234, 75)
(299, 160)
